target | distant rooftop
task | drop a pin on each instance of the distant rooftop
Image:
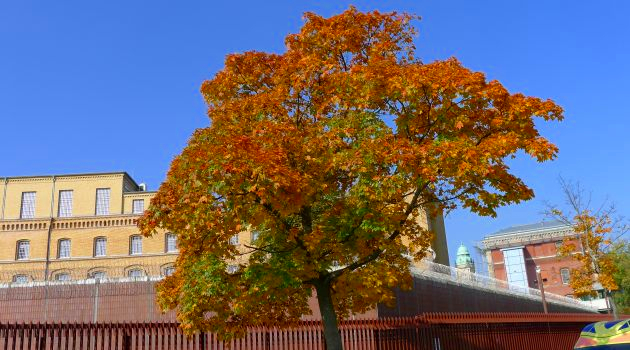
(539, 226)
(67, 175)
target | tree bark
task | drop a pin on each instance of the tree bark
(329, 315)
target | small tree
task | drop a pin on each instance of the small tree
(595, 231)
(331, 151)
(620, 252)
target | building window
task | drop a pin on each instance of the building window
(234, 240)
(137, 206)
(135, 245)
(102, 201)
(27, 211)
(63, 249)
(515, 267)
(23, 250)
(171, 243)
(255, 235)
(135, 273)
(100, 246)
(65, 204)
(62, 276)
(232, 268)
(20, 279)
(564, 273)
(98, 275)
(169, 270)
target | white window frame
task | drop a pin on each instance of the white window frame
(168, 270)
(63, 252)
(27, 251)
(103, 196)
(65, 203)
(97, 251)
(63, 277)
(98, 275)
(135, 245)
(171, 243)
(27, 207)
(139, 209)
(20, 279)
(141, 273)
(234, 239)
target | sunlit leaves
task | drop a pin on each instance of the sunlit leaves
(333, 149)
(596, 265)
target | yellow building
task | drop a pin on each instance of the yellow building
(69, 227)
(73, 227)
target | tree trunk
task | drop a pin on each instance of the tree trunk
(329, 316)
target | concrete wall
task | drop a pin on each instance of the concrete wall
(430, 295)
(135, 301)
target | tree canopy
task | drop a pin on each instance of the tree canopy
(330, 152)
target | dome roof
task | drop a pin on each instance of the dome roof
(463, 256)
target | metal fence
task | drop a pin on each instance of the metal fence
(427, 332)
(119, 298)
(438, 271)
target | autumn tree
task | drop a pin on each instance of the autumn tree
(330, 151)
(620, 252)
(596, 229)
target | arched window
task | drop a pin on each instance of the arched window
(62, 276)
(171, 243)
(135, 273)
(168, 270)
(23, 250)
(100, 246)
(98, 275)
(135, 245)
(21, 279)
(63, 248)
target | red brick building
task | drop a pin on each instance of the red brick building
(513, 254)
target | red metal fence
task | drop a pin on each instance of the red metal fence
(429, 331)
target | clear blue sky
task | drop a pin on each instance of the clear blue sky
(90, 86)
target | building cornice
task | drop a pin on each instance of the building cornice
(526, 237)
(64, 175)
(71, 223)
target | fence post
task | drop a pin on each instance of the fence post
(95, 308)
(126, 344)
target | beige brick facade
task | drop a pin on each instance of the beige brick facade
(44, 223)
(80, 228)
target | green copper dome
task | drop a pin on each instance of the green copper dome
(463, 257)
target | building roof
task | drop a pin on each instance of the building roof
(124, 173)
(539, 226)
(544, 231)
